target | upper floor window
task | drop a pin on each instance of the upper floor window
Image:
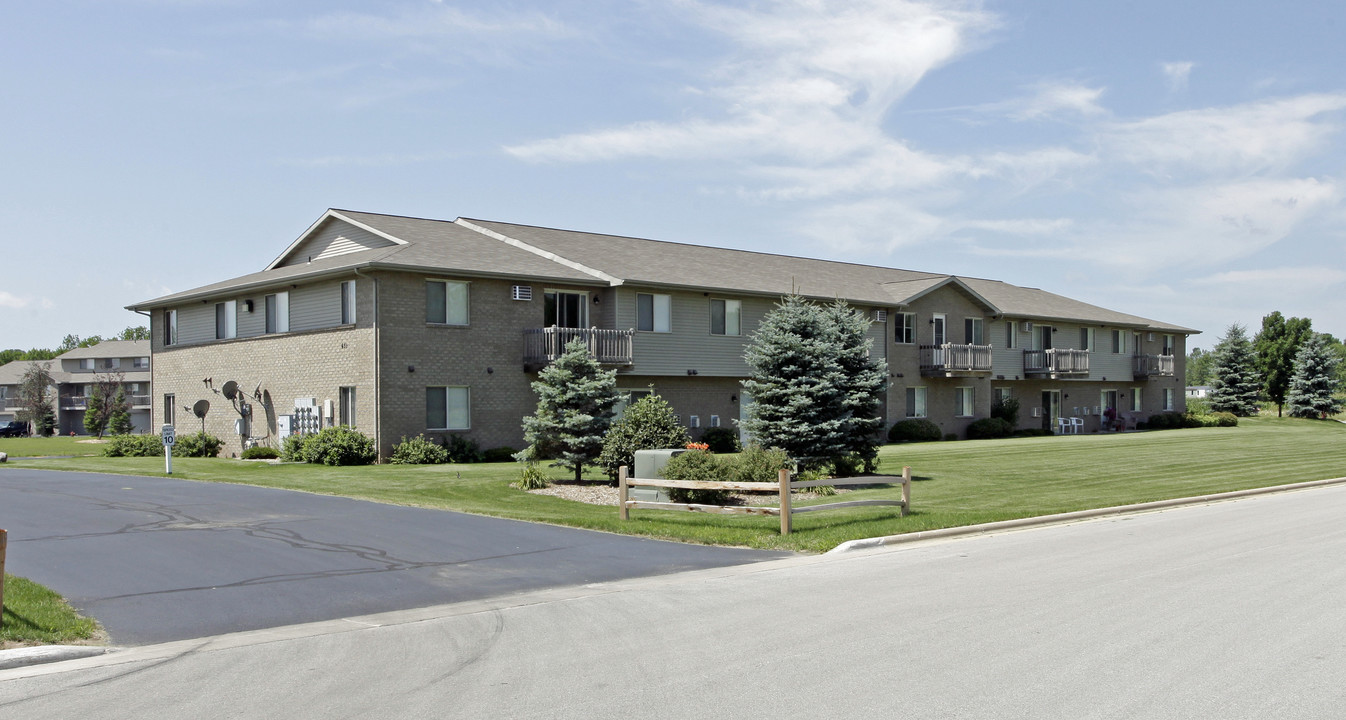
(654, 313)
(974, 331)
(1118, 342)
(278, 312)
(111, 363)
(1011, 334)
(348, 302)
(446, 302)
(170, 327)
(565, 309)
(226, 320)
(904, 328)
(725, 317)
(1168, 345)
(140, 363)
(86, 363)
(1087, 339)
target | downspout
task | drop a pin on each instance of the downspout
(378, 354)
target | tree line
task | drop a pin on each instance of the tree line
(1285, 363)
(71, 342)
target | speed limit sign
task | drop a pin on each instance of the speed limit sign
(168, 435)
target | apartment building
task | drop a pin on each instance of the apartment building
(401, 326)
(74, 375)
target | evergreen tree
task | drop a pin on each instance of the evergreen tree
(1277, 345)
(1234, 383)
(1314, 385)
(575, 397)
(648, 424)
(119, 415)
(814, 389)
(95, 411)
(34, 402)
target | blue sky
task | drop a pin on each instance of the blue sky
(1180, 161)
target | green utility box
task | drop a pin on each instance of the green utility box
(650, 464)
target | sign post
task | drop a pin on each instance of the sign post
(169, 437)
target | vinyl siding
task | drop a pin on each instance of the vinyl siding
(335, 238)
(690, 345)
(319, 306)
(196, 323)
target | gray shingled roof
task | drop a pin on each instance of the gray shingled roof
(11, 373)
(110, 349)
(525, 251)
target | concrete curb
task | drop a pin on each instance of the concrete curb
(1060, 518)
(25, 656)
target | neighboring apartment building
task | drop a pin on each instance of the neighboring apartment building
(74, 374)
(401, 326)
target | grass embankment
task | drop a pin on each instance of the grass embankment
(35, 615)
(956, 483)
(49, 446)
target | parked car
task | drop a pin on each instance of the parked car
(14, 428)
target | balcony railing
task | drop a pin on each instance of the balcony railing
(949, 359)
(74, 402)
(11, 403)
(138, 401)
(1154, 365)
(543, 345)
(1056, 362)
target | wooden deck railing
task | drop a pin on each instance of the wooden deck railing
(955, 358)
(783, 488)
(544, 345)
(1154, 365)
(1057, 361)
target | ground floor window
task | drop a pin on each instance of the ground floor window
(1000, 394)
(628, 398)
(1168, 398)
(963, 402)
(347, 411)
(915, 402)
(1135, 399)
(447, 408)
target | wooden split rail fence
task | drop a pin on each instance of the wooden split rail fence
(783, 488)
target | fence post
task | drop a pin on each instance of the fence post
(621, 493)
(906, 490)
(784, 501)
(4, 540)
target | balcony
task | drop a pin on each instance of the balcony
(138, 401)
(1056, 363)
(541, 346)
(1153, 366)
(74, 402)
(951, 360)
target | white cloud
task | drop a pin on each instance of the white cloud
(435, 22)
(1302, 279)
(1053, 99)
(19, 302)
(1177, 74)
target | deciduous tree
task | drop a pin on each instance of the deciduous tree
(1276, 346)
(34, 401)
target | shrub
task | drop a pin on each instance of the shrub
(844, 466)
(1032, 432)
(532, 477)
(1225, 419)
(462, 450)
(721, 439)
(292, 449)
(699, 466)
(133, 446)
(1166, 421)
(1198, 406)
(197, 445)
(260, 452)
(1007, 410)
(418, 451)
(987, 428)
(339, 445)
(499, 455)
(648, 424)
(917, 430)
(757, 464)
(1188, 420)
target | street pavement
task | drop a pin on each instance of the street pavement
(159, 559)
(1228, 610)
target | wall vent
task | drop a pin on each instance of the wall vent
(1026, 326)
(694, 421)
(881, 316)
(521, 292)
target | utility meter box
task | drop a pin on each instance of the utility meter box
(650, 464)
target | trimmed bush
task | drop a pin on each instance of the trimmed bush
(499, 455)
(1225, 419)
(721, 440)
(989, 428)
(197, 445)
(648, 424)
(699, 466)
(757, 464)
(418, 451)
(133, 446)
(292, 449)
(1032, 432)
(462, 450)
(915, 430)
(260, 452)
(339, 445)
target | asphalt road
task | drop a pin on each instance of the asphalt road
(157, 559)
(1230, 610)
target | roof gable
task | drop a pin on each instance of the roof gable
(332, 235)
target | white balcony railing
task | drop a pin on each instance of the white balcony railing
(543, 345)
(1154, 365)
(1056, 362)
(950, 358)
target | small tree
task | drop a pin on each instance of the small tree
(1234, 383)
(1277, 345)
(34, 401)
(575, 397)
(648, 424)
(95, 411)
(1313, 387)
(863, 381)
(119, 414)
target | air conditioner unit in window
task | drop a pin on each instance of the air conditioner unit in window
(1026, 326)
(521, 292)
(1037, 412)
(881, 316)
(1149, 337)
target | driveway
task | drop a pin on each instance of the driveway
(157, 559)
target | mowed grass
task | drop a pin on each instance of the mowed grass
(35, 615)
(49, 446)
(956, 483)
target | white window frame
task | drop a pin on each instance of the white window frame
(904, 328)
(977, 326)
(555, 298)
(170, 327)
(714, 420)
(348, 302)
(1118, 342)
(1170, 347)
(448, 414)
(939, 329)
(1136, 399)
(1168, 399)
(276, 312)
(734, 329)
(140, 363)
(463, 317)
(346, 401)
(1011, 334)
(965, 401)
(693, 421)
(661, 313)
(916, 402)
(1087, 339)
(170, 408)
(230, 329)
(86, 364)
(112, 363)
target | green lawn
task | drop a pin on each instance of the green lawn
(49, 446)
(957, 483)
(35, 615)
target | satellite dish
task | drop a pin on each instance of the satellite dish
(201, 408)
(230, 390)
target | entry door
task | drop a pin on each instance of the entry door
(1042, 337)
(940, 333)
(1051, 409)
